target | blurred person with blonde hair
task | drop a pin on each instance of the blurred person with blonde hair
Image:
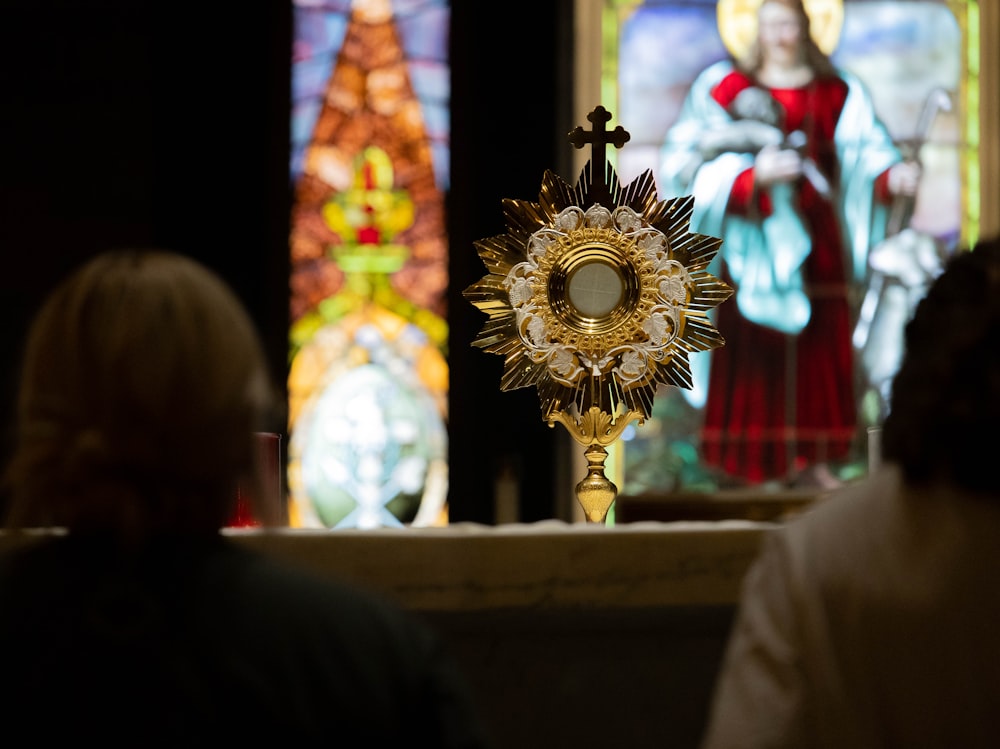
(142, 385)
(131, 617)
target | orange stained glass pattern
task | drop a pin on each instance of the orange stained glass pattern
(368, 381)
(369, 101)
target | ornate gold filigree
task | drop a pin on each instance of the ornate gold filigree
(596, 295)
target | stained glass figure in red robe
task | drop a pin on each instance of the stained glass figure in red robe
(790, 165)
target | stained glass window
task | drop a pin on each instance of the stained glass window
(368, 379)
(916, 63)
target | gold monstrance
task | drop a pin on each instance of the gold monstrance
(596, 295)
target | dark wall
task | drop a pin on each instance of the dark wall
(134, 123)
(511, 111)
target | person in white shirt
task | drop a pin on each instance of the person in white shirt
(871, 619)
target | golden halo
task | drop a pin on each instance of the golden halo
(737, 21)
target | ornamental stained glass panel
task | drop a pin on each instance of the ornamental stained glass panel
(368, 378)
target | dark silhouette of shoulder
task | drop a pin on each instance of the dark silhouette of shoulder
(191, 640)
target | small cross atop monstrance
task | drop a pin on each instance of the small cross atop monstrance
(596, 295)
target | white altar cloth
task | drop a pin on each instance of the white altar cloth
(550, 564)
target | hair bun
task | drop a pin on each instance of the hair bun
(88, 451)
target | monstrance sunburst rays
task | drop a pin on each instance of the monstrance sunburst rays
(596, 295)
